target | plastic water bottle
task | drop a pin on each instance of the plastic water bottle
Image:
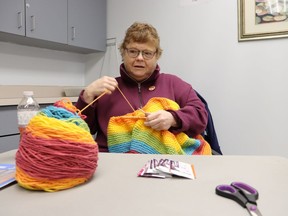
(26, 109)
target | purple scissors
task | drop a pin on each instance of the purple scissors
(243, 194)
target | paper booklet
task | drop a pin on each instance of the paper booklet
(165, 168)
(7, 174)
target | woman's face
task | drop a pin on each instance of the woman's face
(140, 65)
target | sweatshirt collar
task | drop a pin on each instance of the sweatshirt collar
(126, 78)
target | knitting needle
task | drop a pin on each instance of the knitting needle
(141, 110)
(104, 94)
(92, 102)
(134, 117)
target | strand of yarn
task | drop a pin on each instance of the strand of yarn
(125, 98)
(80, 111)
(56, 150)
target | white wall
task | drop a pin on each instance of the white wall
(245, 83)
(23, 65)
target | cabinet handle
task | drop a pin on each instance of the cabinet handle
(73, 33)
(33, 23)
(20, 20)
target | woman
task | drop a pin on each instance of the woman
(140, 80)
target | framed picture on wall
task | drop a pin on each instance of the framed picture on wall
(262, 19)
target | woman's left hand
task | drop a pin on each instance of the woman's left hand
(160, 120)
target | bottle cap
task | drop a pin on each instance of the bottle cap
(28, 93)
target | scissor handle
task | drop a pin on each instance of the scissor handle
(248, 191)
(230, 192)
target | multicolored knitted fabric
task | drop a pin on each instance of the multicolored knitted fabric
(129, 134)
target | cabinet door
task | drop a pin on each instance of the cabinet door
(12, 18)
(8, 143)
(47, 20)
(87, 24)
(8, 120)
(9, 138)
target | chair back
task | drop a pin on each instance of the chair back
(210, 133)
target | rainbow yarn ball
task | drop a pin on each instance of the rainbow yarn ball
(56, 150)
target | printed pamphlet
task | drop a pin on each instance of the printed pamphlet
(165, 168)
(7, 174)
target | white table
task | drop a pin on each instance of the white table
(116, 189)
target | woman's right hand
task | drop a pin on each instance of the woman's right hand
(97, 87)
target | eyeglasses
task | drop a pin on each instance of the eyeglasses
(133, 53)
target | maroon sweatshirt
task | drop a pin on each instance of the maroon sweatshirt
(191, 117)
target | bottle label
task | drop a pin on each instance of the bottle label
(24, 116)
